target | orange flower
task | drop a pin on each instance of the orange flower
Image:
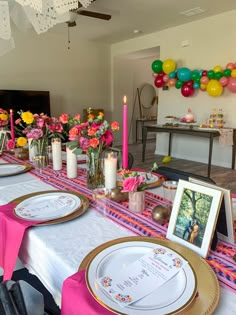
(93, 142)
(91, 131)
(64, 118)
(101, 114)
(73, 133)
(90, 116)
(115, 125)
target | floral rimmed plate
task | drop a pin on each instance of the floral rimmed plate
(66, 206)
(208, 292)
(11, 169)
(151, 179)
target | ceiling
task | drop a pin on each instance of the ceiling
(145, 15)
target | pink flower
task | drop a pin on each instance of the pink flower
(77, 117)
(10, 144)
(40, 122)
(84, 143)
(35, 133)
(94, 142)
(131, 184)
(115, 126)
(18, 121)
(64, 118)
(73, 133)
(107, 138)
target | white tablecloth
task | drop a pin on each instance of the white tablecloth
(55, 252)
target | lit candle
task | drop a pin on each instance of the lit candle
(110, 170)
(12, 125)
(125, 135)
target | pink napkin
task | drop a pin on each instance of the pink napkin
(12, 231)
(77, 300)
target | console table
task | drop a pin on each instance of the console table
(195, 131)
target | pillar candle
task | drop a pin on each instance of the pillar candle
(56, 154)
(110, 170)
(12, 125)
(125, 136)
(71, 163)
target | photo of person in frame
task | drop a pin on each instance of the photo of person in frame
(192, 217)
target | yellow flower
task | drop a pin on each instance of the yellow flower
(27, 117)
(21, 141)
(3, 117)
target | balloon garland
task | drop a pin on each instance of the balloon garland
(189, 81)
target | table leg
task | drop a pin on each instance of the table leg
(170, 144)
(233, 149)
(144, 135)
(142, 130)
(210, 155)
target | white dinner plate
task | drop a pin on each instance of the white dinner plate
(12, 169)
(171, 297)
(48, 206)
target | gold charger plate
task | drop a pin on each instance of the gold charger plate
(207, 284)
(27, 167)
(78, 212)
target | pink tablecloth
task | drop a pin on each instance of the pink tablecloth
(11, 233)
(77, 300)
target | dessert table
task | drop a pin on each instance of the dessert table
(54, 252)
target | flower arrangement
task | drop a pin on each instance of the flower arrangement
(68, 121)
(133, 182)
(4, 117)
(94, 135)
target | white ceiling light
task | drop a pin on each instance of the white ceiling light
(192, 12)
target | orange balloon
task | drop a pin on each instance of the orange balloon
(230, 66)
(172, 82)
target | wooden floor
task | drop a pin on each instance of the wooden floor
(224, 177)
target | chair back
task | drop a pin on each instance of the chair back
(174, 174)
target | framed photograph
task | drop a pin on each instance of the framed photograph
(194, 216)
(224, 226)
(3, 137)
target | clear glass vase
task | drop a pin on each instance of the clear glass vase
(95, 177)
(41, 153)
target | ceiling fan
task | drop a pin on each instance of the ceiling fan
(96, 15)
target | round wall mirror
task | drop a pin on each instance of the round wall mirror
(148, 101)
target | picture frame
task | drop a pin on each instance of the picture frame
(3, 137)
(194, 216)
(225, 222)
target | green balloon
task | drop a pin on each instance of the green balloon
(195, 75)
(211, 74)
(227, 72)
(218, 75)
(157, 66)
(179, 84)
(197, 80)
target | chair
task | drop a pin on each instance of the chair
(119, 154)
(174, 174)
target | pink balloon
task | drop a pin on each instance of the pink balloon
(224, 81)
(232, 84)
(166, 78)
(230, 66)
(172, 82)
(159, 82)
(204, 73)
(204, 80)
(154, 75)
(187, 90)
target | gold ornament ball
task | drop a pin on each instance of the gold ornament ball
(161, 214)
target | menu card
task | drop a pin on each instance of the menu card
(143, 276)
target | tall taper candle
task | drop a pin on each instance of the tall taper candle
(12, 125)
(125, 135)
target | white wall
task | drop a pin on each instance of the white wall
(77, 78)
(211, 43)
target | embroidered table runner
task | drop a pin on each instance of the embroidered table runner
(141, 224)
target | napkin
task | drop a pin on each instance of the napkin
(12, 231)
(77, 300)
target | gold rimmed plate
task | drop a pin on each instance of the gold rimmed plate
(11, 169)
(50, 207)
(152, 180)
(208, 292)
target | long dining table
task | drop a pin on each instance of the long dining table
(54, 252)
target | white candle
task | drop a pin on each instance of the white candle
(56, 154)
(71, 163)
(110, 170)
